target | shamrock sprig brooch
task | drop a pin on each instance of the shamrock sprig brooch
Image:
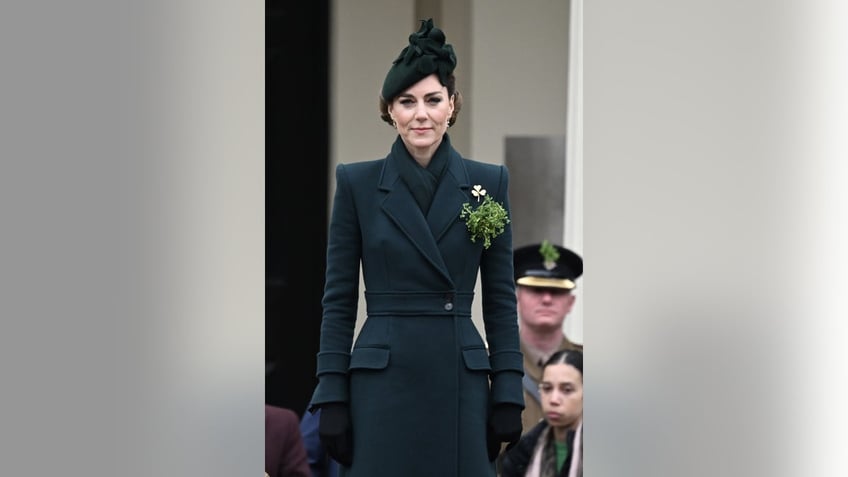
(487, 221)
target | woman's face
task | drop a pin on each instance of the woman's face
(562, 395)
(421, 114)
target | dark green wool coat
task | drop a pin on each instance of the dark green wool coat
(419, 380)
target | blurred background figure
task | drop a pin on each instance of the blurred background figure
(545, 276)
(553, 447)
(321, 464)
(285, 454)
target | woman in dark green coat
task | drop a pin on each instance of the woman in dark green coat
(419, 393)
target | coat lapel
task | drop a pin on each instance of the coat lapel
(453, 191)
(402, 209)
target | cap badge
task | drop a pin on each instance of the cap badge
(550, 255)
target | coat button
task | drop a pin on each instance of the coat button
(448, 306)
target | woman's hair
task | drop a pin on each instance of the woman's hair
(452, 91)
(566, 356)
(572, 358)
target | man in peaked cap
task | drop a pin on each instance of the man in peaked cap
(545, 277)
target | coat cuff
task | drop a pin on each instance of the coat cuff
(332, 362)
(331, 388)
(507, 371)
(506, 388)
(507, 361)
(332, 379)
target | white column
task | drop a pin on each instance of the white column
(573, 219)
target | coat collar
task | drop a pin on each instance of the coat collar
(425, 232)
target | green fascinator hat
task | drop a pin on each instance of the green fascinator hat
(426, 54)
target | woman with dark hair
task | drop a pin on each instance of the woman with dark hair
(419, 394)
(554, 447)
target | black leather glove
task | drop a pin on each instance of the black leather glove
(504, 426)
(336, 432)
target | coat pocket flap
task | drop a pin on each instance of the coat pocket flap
(369, 358)
(476, 359)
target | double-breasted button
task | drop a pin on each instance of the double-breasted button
(449, 302)
(448, 306)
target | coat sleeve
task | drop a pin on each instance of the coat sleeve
(500, 317)
(341, 295)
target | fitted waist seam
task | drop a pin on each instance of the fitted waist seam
(419, 303)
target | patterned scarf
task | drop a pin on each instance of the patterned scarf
(576, 469)
(422, 182)
(543, 462)
(543, 458)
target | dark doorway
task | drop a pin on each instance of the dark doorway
(296, 167)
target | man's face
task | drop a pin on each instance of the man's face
(541, 307)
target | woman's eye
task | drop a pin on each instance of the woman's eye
(406, 102)
(435, 100)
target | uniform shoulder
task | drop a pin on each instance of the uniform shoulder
(571, 345)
